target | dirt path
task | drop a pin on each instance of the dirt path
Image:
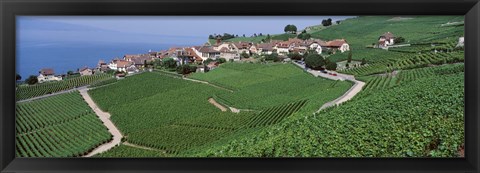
(216, 104)
(105, 118)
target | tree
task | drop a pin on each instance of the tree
(295, 56)
(338, 22)
(221, 60)
(349, 60)
(347, 65)
(327, 22)
(169, 63)
(399, 40)
(272, 57)
(315, 61)
(70, 72)
(18, 77)
(32, 80)
(304, 36)
(331, 66)
(290, 29)
(244, 55)
(363, 61)
(208, 61)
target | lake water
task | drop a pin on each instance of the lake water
(62, 57)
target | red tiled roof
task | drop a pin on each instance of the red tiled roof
(47, 71)
(336, 43)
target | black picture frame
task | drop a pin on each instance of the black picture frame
(11, 8)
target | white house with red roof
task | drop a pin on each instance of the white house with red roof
(46, 75)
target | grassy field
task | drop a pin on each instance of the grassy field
(174, 116)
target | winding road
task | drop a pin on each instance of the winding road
(105, 118)
(354, 90)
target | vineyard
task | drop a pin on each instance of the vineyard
(384, 124)
(58, 126)
(160, 107)
(103, 82)
(275, 114)
(26, 92)
(407, 62)
(382, 82)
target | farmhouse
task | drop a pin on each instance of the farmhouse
(46, 75)
(265, 48)
(119, 65)
(385, 40)
(85, 71)
(338, 44)
(206, 52)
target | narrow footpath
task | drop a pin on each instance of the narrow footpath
(354, 90)
(105, 118)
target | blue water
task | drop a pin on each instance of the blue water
(65, 56)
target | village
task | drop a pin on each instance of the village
(204, 58)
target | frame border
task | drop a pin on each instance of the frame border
(10, 8)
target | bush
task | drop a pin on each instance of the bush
(331, 66)
(32, 80)
(186, 69)
(272, 57)
(399, 40)
(221, 60)
(315, 61)
(295, 56)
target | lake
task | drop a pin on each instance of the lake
(65, 56)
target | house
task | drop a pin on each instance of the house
(140, 61)
(338, 44)
(282, 48)
(206, 52)
(119, 65)
(229, 55)
(85, 71)
(385, 40)
(132, 69)
(101, 67)
(46, 75)
(242, 47)
(265, 48)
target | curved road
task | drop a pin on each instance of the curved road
(105, 118)
(354, 90)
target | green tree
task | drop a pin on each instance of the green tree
(349, 60)
(331, 66)
(169, 63)
(221, 60)
(207, 61)
(304, 36)
(315, 61)
(244, 55)
(18, 77)
(295, 56)
(347, 65)
(399, 40)
(186, 69)
(70, 72)
(272, 57)
(290, 29)
(32, 80)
